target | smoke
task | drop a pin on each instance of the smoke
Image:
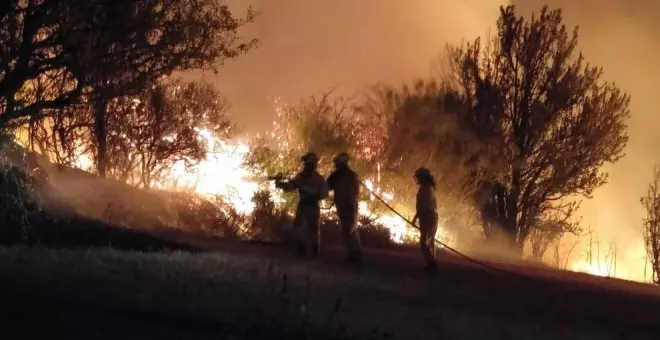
(620, 36)
(310, 46)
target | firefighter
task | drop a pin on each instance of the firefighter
(312, 188)
(426, 212)
(346, 186)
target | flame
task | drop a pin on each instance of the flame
(84, 162)
(597, 269)
(221, 174)
(394, 223)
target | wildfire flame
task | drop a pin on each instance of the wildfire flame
(223, 173)
(597, 269)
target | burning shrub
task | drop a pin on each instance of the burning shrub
(374, 234)
(215, 218)
(268, 223)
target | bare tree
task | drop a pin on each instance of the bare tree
(62, 134)
(99, 50)
(169, 37)
(326, 124)
(651, 222)
(545, 120)
(420, 128)
(32, 46)
(152, 131)
(147, 133)
(544, 234)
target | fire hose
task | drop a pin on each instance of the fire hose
(458, 253)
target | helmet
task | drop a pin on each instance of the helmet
(422, 172)
(311, 158)
(342, 158)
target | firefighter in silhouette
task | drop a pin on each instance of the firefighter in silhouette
(312, 188)
(346, 185)
(426, 212)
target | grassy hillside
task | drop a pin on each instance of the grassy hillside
(259, 293)
(97, 286)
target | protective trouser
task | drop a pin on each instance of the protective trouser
(348, 219)
(307, 230)
(428, 225)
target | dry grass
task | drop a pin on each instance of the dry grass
(213, 295)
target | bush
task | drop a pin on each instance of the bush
(197, 214)
(18, 205)
(372, 233)
(268, 223)
(23, 221)
(76, 231)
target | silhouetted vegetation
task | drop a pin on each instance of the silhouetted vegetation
(25, 221)
(58, 53)
(545, 120)
(516, 133)
(651, 223)
(148, 132)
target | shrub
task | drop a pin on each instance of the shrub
(18, 205)
(268, 223)
(197, 214)
(374, 234)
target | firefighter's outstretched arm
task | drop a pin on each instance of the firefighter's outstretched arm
(286, 185)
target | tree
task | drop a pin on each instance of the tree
(33, 46)
(419, 128)
(95, 51)
(326, 124)
(62, 135)
(171, 36)
(544, 233)
(651, 223)
(545, 119)
(149, 133)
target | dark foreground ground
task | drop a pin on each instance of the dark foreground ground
(242, 291)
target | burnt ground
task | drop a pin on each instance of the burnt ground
(259, 291)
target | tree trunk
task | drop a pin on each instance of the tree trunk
(101, 135)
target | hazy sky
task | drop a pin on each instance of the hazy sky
(309, 46)
(620, 36)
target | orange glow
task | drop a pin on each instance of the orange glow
(597, 269)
